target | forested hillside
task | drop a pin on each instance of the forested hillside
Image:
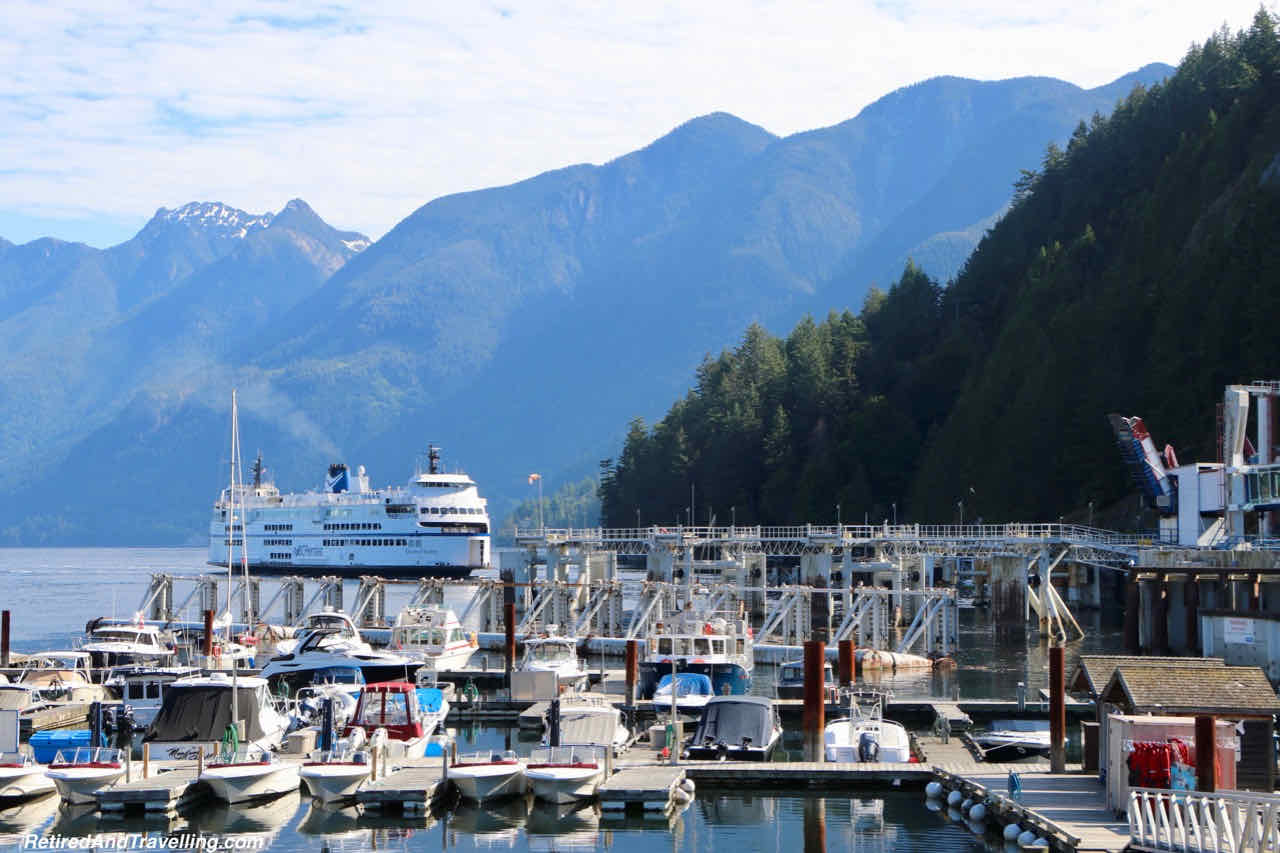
(1137, 270)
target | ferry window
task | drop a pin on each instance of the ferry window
(664, 645)
(701, 646)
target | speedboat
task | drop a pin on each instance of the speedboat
(482, 776)
(249, 773)
(336, 776)
(865, 738)
(82, 772)
(1008, 740)
(553, 654)
(339, 629)
(565, 774)
(409, 714)
(51, 677)
(692, 691)
(21, 778)
(589, 718)
(718, 647)
(119, 644)
(790, 683)
(434, 635)
(740, 728)
(196, 713)
(318, 651)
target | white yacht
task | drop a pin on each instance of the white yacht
(119, 644)
(197, 712)
(482, 776)
(434, 635)
(566, 774)
(339, 631)
(317, 655)
(80, 773)
(142, 688)
(436, 525)
(553, 654)
(51, 678)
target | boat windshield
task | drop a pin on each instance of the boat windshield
(550, 652)
(421, 636)
(332, 622)
(88, 755)
(383, 709)
(119, 635)
(572, 754)
(730, 722)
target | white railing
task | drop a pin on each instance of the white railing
(1226, 822)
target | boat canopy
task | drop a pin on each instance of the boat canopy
(687, 684)
(392, 705)
(730, 719)
(588, 724)
(203, 712)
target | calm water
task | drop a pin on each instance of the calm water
(52, 593)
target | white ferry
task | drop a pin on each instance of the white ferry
(435, 526)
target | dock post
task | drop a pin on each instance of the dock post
(815, 705)
(1206, 756)
(553, 723)
(633, 666)
(146, 763)
(815, 825)
(208, 635)
(4, 639)
(509, 647)
(1132, 610)
(845, 663)
(1057, 711)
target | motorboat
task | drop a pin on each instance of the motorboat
(142, 688)
(80, 773)
(21, 778)
(49, 678)
(196, 713)
(566, 774)
(488, 775)
(588, 718)
(339, 631)
(553, 654)
(317, 652)
(336, 776)
(691, 691)
(434, 635)
(865, 737)
(409, 714)
(718, 647)
(790, 683)
(111, 644)
(739, 728)
(1009, 740)
(249, 773)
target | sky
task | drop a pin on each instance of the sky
(113, 108)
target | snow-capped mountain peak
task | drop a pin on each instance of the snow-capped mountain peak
(215, 216)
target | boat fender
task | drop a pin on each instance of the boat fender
(1027, 838)
(687, 784)
(954, 814)
(933, 790)
(1040, 841)
(680, 795)
(932, 805)
(977, 827)
(1012, 831)
(978, 812)
(964, 807)
(955, 798)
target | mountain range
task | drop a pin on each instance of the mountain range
(518, 326)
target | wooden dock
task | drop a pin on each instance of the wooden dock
(413, 787)
(950, 715)
(649, 786)
(53, 717)
(165, 791)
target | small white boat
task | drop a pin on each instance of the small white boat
(250, 774)
(80, 774)
(863, 740)
(739, 728)
(51, 678)
(21, 778)
(1009, 740)
(339, 630)
(336, 777)
(692, 693)
(435, 636)
(589, 718)
(409, 714)
(565, 774)
(196, 712)
(553, 654)
(482, 776)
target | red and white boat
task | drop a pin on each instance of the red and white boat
(21, 778)
(566, 774)
(80, 773)
(482, 776)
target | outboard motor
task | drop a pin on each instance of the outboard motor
(326, 725)
(868, 747)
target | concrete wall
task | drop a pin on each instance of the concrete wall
(1263, 651)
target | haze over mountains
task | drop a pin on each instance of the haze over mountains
(519, 326)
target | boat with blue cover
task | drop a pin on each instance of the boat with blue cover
(715, 646)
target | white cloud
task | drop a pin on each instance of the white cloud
(114, 108)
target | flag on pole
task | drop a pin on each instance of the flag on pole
(533, 477)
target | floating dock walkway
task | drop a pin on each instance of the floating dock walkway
(648, 786)
(412, 788)
(163, 791)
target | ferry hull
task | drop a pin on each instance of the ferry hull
(353, 571)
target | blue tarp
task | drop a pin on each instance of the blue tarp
(430, 699)
(687, 684)
(45, 745)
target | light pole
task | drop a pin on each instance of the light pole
(1091, 513)
(733, 510)
(895, 514)
(637, 518)
(837, 517)
(960, 505)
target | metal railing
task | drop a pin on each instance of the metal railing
(1226, 822)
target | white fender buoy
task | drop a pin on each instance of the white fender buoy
(955, 798)
(1040, 841)
(964, 807)
(1027, 838)
(687, 784)
(933, 789)
(1012, 831)
(977, 827)
(978, 812)
(933, 805)
(954, 814)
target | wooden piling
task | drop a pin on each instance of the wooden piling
(4, 638)
(208, 633)
(1132, 610)
(1057, 711)
(1206, 756)
(633, 671)
(845, 663)
(814, 699)
(815, 825)
(509, 647)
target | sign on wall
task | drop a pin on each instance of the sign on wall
(1235, 630)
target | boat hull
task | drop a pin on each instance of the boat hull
(334, 783)
(80, 785)
(24, 783)
(488, 782)
(564, 784)
(712, 753)
(240, 783)
(354, 571)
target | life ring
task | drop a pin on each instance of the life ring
(707, 629)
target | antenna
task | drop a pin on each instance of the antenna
(433, 459)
